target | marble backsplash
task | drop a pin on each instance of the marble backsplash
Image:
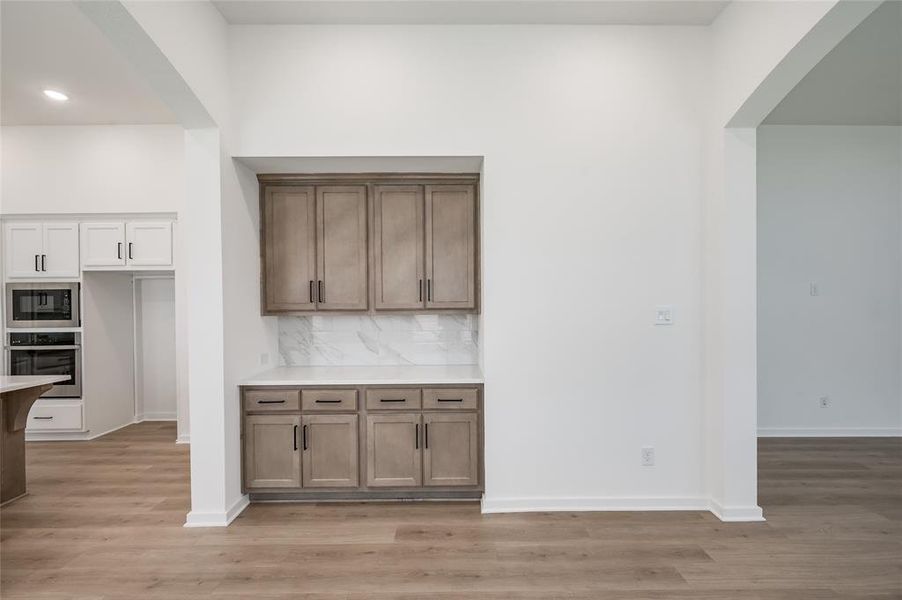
(379, 340)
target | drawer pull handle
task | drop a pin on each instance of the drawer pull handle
(328, 401)
(450, 399)
(392, 399)
(305, 437)
(295, 438)
(270, 402)
(44, 418)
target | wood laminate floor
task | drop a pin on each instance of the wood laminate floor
(104, 520)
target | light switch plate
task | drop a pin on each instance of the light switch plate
(664, 315)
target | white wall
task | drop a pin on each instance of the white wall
(98, 168)
(829, 214)
(592, 146)
(155, 361)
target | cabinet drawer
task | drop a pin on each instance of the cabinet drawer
(451, 398)
(393, 399)
(272, 400)
(329, 400)
(61, 414)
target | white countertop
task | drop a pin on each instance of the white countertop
(11, 383)
(387, 375)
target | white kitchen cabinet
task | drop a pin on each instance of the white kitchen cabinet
(149, 244)
(41, 250)
(103, 244)
(126, 244)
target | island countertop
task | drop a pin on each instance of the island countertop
(12, 383)
(371, 375)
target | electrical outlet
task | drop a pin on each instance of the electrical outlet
(664, 315)
(813, 289)
(825, 401)
(648, 456)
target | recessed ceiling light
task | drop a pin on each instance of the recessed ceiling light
(55, 95)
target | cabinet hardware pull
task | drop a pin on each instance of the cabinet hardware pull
(43, 262)
(311, 292)
(420, 288)
(270, 402)
(119, 250)
(392, 399)
(44, 418)
(416, 437)
(130, 251)
(426, 436)
(305, 437)
(295, 436)
(328, 401)
(450, 399)
(429, 290)
(36, 268)
(320, 289)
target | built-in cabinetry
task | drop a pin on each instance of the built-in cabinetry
(358, 442)
(369, 243)
(126, 244)
(41, 250)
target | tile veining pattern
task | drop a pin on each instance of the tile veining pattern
(378, 340)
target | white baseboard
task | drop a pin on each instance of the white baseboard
(217, 519)
(183, 439)
(156, 416)
(69, 436)
(736, 514)
(830, 432)
(581, 504)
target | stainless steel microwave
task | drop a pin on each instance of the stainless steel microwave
(42, 305)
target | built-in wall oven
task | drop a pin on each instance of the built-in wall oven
(47, 353)
(42, 305)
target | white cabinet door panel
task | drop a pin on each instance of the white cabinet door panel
(103, 244)
(60, 255)
(24, 244)
(149, 244)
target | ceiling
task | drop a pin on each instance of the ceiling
(53, 45)
(459, 12)
(858, 83)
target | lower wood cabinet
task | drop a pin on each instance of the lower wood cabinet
(330, 450)
(271, 458)
(330, 445)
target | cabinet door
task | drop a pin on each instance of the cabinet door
(393, 455)
(399, 245)
(450, 449)
(102, 244)
(149, 244)
(450, 246)
(60, 255)
(272, 458)
(24, 244)
(341, 247)
(289, 239)
(330, 450)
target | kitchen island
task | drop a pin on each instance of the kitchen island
(363, 433)
(17, 394)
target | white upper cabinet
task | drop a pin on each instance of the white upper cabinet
(139, 244)
(103, 244)
(149, 244)
(41, 250)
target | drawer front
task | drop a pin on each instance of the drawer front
(329, 400)
(59, 415)
(272, 400)
(396, 399)
(450, 398)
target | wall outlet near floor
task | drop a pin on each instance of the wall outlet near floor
(825, 401)
(648, 456)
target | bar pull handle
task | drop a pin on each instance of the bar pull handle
(416, 437)
(449, 399)
(328, 401)
(43, 262)
(420, 288)
(270, 402)
(295, 437)
(130, 251)
(312, 300)
(426, 436)
(119, 250)
(429, 290)
(392, 399)
(44, 418)
(36, 259)
(305, 437)
(321, 289)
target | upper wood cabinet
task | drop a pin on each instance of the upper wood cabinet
(450, 246)
(399, 246)
(107, 245)
(41, 250)
(314, 248)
